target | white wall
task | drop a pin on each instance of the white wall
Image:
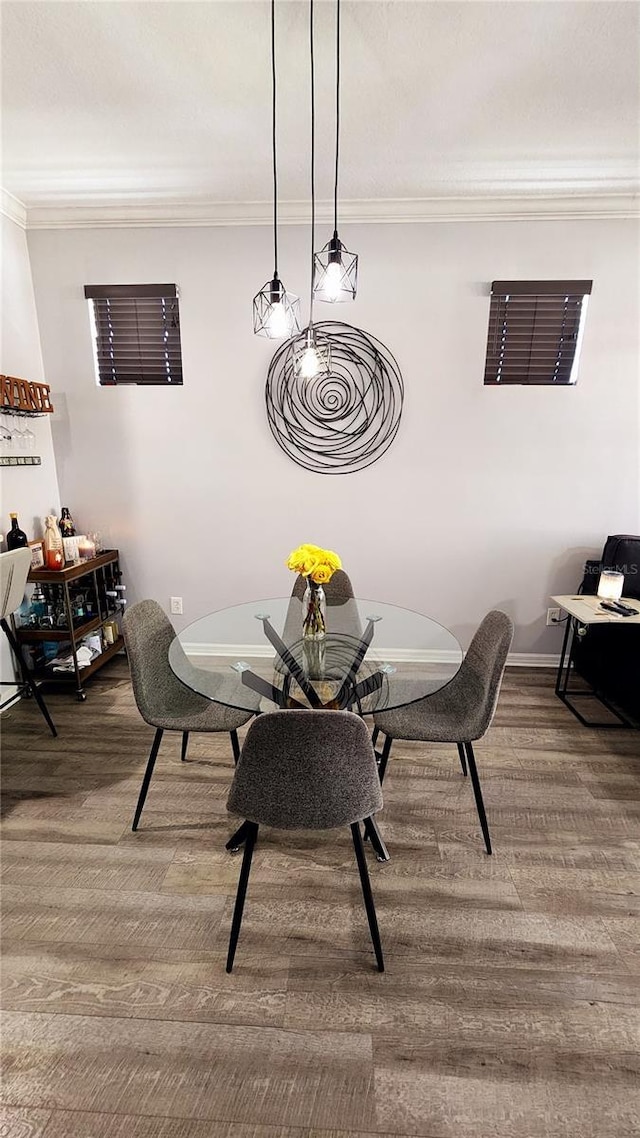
(32, 491)
(488, 497)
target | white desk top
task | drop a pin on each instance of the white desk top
(587, 610)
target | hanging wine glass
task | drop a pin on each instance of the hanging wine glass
(6, 437)
(18, 436)
(28, 438)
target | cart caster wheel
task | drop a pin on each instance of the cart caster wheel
(81, 696)
(235, 850)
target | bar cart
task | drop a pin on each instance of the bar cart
(90, 598)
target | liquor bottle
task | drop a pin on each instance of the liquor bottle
(38, 604)
(53, 554)
(16, 538)
(67, 527)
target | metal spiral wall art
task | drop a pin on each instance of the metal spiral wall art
(341, 421)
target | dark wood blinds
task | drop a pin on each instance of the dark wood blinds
(534, 331)
(137, 333)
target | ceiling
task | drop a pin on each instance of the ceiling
(128, 104)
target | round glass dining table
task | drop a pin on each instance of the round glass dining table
(373, 657)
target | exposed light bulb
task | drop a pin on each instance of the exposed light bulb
(277, 322)
(309, 364)
(335, 272)
(333, 280)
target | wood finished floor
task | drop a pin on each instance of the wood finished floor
(510, 1007)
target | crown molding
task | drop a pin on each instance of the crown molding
(142, 215)
(13, 208)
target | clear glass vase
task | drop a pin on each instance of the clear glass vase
(314, 607)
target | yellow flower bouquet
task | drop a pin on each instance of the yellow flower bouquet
(318, 566)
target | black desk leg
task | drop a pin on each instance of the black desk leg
(562, 678)
(568, 695)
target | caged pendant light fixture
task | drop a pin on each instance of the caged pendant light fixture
(311, 350)
(275, 311)
(336, 269)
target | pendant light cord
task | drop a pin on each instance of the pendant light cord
(273, 138)
(335, 184)
(313, 158)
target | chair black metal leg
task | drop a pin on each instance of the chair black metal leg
(372, 834)
(153, 754)
(374, 737)
(239, 838)
(235, 746)
(252, 833)
(366, 893)
(41, 704)
(383, 757)
(463, 760)
(185, 744)
(475, 781)
(26, 678)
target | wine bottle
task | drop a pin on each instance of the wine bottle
(66, 523)
(16, 538)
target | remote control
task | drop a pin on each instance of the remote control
(620, 610)
(626, 608)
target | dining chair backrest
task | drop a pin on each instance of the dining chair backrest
(482, 669)
(341, 616)
(14, 570)
(338, 590)
(310, 770)
(148, 633)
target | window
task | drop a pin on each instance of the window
(136, 333)
(535, 331)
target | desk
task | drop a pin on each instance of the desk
(583, 612)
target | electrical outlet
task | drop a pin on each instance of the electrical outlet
(553, 616)
(176, 606)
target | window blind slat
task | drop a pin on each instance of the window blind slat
(129, 292)
(541, 289)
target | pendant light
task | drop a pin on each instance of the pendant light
(275, 311)
(336, 269)
(311, 350)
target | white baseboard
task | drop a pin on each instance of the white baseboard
(390, 655)
(533, 660)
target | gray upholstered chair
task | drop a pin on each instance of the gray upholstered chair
(14, 570)
(338, 590)
(163, 701)
(309, 770)
(462, 711)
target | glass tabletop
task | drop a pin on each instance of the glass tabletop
(373, 657)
